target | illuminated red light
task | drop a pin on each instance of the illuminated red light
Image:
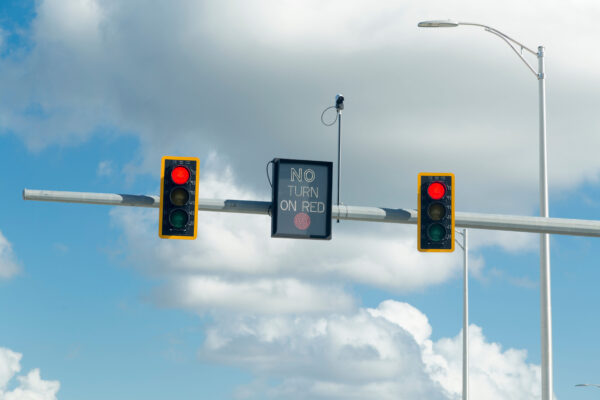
(180, 175)
(436, 190)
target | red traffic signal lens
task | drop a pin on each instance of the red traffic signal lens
(436, 190)
(180, 175)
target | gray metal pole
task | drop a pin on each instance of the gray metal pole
(465, 371)
(339, 163)
(545, 296)
(515, 223)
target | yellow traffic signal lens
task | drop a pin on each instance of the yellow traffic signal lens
(436, 211)
(179, 196)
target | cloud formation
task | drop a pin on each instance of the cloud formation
(27, 387)
(250, 81)
(9, 266)
(384, 353)
(277, 313)
(105, 168)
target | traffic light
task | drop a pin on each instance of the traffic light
(435, 226)
(178, 197)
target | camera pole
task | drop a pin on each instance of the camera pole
(339, 106)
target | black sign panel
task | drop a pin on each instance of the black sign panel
(301, 205)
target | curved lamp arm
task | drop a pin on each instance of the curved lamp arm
(507, 39)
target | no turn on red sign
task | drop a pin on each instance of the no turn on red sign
(302, 193)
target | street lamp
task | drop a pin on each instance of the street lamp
(546, 310)
(438, 24)
(588, 384)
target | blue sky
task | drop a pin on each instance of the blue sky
(95, 92)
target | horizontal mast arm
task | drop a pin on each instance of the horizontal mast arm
(561, 226)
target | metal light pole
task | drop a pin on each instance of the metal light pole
(465, 360)
(545, 297)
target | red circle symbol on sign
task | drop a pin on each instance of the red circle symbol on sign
(302, 221)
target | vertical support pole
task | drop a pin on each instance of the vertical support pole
(465, 370)
(339, 169)
(545, 297)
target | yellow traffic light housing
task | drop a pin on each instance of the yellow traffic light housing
(435, 225)
(178, 214)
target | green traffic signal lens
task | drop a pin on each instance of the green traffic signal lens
(436, 232)
(179, 196)
(178, 219)
(436, 211)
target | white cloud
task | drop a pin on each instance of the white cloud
(9, 266)
(28, 387)
(493, 373)
(209, 75)
(60, 247)
(9, 366)
(250, 81)
(269, 296)
(513, 242)
(521, 281)
(383, 353)
(74, 23)
(105, 168)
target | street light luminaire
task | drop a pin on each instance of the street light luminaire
(448, 23)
